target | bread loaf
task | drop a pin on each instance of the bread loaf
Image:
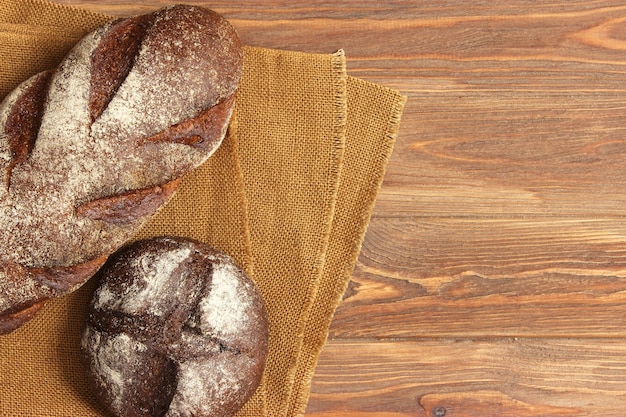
(90, 150)
(175, 329)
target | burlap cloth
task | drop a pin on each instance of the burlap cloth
(289, 195)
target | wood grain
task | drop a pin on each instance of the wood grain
(528, 153)
(492, 280)
(497, 377)
(487, 277)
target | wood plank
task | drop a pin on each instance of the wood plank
(487, 277)
(501, 34)
(398, 9)
(493, 378)
(509, 153)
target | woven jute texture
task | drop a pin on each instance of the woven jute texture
(289, 195)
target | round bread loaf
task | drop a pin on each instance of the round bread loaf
(175, 329)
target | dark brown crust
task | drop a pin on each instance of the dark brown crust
(173, 336)
(130, 206)
(200, 131)
(24, 120)
(62, 279)
(113, 58)
(153, 396)
(11, 321)
(57, 280)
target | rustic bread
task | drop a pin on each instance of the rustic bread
(175, 328)
(90, 150)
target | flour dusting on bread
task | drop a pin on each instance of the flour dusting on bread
(89, 145)
(150, 275)
(189, 305)
(224, 309)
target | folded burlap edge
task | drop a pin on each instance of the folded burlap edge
(333, 291)
(338, 62)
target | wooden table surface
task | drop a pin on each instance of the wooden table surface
(492, 280)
